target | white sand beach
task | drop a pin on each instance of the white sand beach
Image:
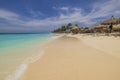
(72, 58)
(108, 44)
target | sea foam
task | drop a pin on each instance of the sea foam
(18, 72)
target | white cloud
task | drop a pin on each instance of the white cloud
(7, 15)
(98, 11)
(10, 17)
(64, 8)
(34, 13)
(74, 15)
(105, 9)
(67, 9)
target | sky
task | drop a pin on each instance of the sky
(36, 16)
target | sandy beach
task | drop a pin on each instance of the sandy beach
(77, 58)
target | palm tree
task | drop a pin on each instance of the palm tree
(76, 25)
(68, 26)
(63, 28)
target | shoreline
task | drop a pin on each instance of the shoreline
(22, 68)
(57, 59)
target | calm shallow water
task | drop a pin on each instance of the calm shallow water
(17, 50)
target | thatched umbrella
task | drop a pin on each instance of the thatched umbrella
(75, 29)
(116, 27)
(110, 21)
(118, 21)
(99, 26)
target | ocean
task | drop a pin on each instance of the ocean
(19, 50)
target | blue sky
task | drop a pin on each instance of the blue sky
(33, 16)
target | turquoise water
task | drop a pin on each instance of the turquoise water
(16, 50)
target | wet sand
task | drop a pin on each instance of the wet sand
(69, 58)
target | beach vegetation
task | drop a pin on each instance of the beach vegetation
(111, 25)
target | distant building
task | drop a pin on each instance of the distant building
(75, 29)
(112, 20)
(67, 31)
(104, 26)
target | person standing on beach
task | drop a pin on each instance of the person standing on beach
(110, 27)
